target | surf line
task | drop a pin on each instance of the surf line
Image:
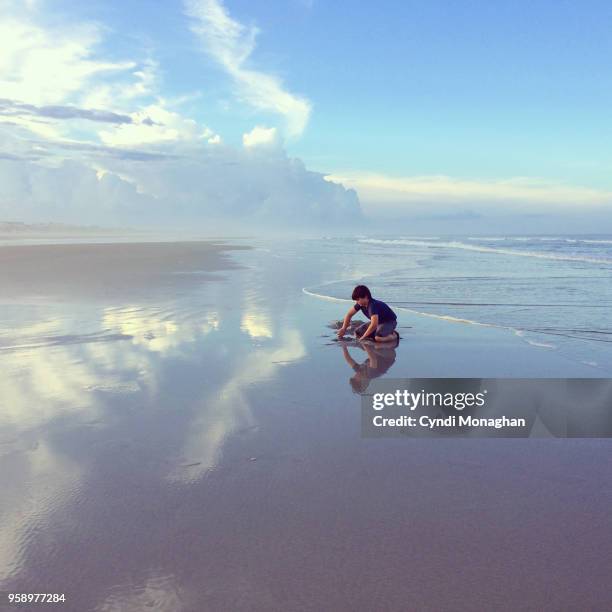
(485, 249)
(517, 332)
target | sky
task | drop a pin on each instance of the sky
(432, 116)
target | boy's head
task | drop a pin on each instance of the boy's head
(359, 383)
(362, 295)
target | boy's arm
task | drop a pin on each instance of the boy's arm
(371, 354)
(372, 327)
(347, 319)
(348, 358)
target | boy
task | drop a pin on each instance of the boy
(382, 319)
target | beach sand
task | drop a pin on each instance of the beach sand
(108, 270)
(178, 431)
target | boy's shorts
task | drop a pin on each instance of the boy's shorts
(382, 329)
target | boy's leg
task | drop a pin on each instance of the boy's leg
(385, 332)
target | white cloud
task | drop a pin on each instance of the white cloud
(141, 81)
(87, 140)
(42, 66)
(185, 183)
(204, 184)
(72, 192)
(260, 136)
(61, 65)
(378, 191)
(231, 44)
(154, 124)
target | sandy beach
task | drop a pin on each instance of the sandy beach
(108, 270)
(178, 431)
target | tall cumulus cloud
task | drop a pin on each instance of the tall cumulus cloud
(103, 145)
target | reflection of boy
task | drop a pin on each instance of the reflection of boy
(377, 364)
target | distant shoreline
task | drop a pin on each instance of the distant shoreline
(20, 227)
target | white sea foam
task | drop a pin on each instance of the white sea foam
(420, 237)
(542, 344)
(329, 298)
(485, 249)
(537, 238)
(521, 334)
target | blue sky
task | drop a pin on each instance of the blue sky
(471, 89)
(422, 108)
(463, 88)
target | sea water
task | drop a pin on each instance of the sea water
(554, 292)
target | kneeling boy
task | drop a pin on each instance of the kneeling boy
(383, 320)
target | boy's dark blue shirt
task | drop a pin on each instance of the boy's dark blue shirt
(376, 307)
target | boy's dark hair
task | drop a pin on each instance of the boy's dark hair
(359, 384)
(361, 291)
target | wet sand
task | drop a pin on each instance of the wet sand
(109, 270)
(198, 447)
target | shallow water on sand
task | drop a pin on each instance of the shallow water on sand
(198, 447)
(553, 292)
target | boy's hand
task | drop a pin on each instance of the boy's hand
(341, 332)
